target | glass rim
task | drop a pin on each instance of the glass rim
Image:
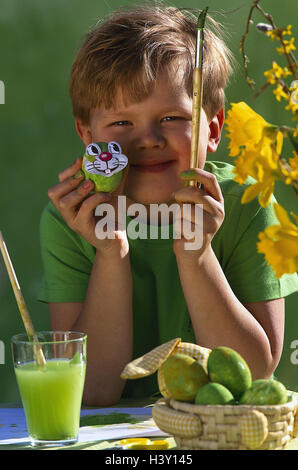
(17, 339)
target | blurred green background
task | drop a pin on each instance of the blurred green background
(38, 42)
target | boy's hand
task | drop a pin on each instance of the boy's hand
(212, 202)
(77, 207)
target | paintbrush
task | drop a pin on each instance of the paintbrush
(21, 304)
(197, 93)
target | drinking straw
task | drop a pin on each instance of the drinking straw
(197, 93)
(21, 303)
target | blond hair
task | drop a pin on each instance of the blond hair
(133, 46)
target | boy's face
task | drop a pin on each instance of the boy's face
(155, 134)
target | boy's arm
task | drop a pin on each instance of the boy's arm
(106, 318)
(106, 314)
(218, 317)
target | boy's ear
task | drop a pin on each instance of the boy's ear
(215, 128)
(83, 131)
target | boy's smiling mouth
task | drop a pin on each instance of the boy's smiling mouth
(152, 166)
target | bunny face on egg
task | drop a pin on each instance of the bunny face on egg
(103, 164)
(104, 159)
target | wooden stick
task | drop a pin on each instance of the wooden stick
(197, 94)
(21, 303)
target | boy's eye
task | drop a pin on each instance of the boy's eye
(120, 123)
(171, 118)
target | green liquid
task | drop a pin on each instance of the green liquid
(52, 398)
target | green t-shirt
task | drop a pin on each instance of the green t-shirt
(159, 308)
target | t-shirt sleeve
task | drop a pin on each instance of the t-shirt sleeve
(67, 260)
(247, 271)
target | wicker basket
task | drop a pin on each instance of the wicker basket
(215, 427)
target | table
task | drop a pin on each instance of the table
(139, 423)
(134, 418)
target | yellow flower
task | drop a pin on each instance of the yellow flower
(263, 165)
(294, 168)
(287, 31)
(273, 34)
(293, 161)
(286, 47)
(279, 244)
(292, 106)
(276, 73)
(257, 145)
(286, 72)
(290, 171)
(277, 33)
(263, 190)
(245, 127)
(280, 93)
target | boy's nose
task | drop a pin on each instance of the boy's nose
(105, 156)
(150, 138)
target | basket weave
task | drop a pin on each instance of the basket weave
(215, 427)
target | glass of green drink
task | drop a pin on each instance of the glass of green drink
(52, 393)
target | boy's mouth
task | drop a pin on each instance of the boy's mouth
(152, 167)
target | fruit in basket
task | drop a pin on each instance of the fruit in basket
(227, 367)
(183, 376)
(214, 394)
(265, 392)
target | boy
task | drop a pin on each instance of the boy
(131, 82)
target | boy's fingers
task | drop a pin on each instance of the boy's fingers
(192, 213)
(67, 202)
(209, 181)
(78, 206)
(89, 204)
(61, 189)
(71, 200)
(192, 195)
(71, 170)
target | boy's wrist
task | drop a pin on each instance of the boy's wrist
(195, 259)
(113, 251)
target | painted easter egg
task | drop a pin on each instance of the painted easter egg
(103, 163)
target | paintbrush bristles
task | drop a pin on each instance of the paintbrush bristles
(202, 18)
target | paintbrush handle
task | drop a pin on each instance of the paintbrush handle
(21, 302)
(196, 120)
(197, 97)
(196, 116)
